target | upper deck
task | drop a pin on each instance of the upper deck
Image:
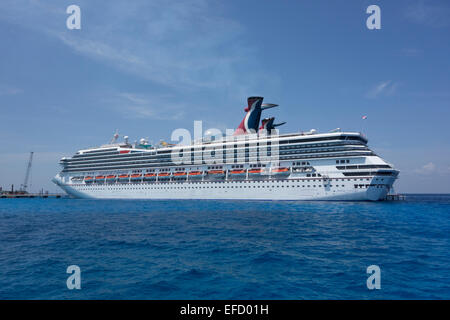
(243, 149)
(292, 138)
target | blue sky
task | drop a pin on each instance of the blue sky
(149, 67)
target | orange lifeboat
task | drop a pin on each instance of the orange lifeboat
(281, 171)
(99, 178)
(164, 175)
(179, 175)
(237, 174)
(195, 174)
(136, 176)
(256, 173)
(150, 176)
(111, 178)
(88, 179)
(216, 174)
(124, 177)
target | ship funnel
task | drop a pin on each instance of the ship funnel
(267, 124)
(251, 120)
(253, 103)
(265, 106)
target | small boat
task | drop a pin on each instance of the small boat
(163, 175)
(88, 179)
(149, 176)
(216, 174)
(256, 173)
(281, 171)
(100, 179)
(179, 175)
(111, 178)
(124, 177)
(195, 174)
(136, 177)
(237, 174)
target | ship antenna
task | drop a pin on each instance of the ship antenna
(115, 137)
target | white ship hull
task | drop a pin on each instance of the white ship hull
(288, 189)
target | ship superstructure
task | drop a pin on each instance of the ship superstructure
(256, 163)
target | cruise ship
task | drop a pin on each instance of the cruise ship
(254, 163)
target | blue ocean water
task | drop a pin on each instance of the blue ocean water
(225, 249)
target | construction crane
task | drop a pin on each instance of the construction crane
(24, 186)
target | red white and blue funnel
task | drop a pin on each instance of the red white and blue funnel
(251, 120)
(267, 124)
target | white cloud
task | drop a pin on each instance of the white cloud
(181, 44)
(133, 98)
(133, 105)
(384, 88)
(428, 13)
(180, 47)
(431, 168)
(426, 169)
